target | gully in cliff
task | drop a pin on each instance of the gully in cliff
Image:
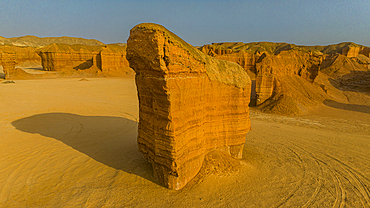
(189, 104)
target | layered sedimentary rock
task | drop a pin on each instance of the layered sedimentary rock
(70, 58)
(7, 60)
(189, 104)
(277, 68)
(285, 73)
(245, 59)
(355, 50)
(25, 54)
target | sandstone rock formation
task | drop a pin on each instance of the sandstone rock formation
(7, 60)
(189, 104)
(284, 74)
(274, 69)
(25, 54)
(96, 59)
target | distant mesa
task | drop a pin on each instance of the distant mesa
(109, 59)
(190, 104)
(67, 56)
(34, 41)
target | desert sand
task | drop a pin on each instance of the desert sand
(72, 143)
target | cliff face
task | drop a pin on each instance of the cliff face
(189, 104)
(244, 59)
(70, 58)
(273, 69)
(280, 69)
(7, 60)
(24, 54)
(354, 51)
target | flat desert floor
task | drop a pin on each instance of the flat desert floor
(72, 143)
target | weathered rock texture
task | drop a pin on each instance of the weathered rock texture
(284, 74)
(274, 69)
(70, 58)
(7, 60)
(190, 104)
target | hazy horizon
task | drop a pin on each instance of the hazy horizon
(197, 22)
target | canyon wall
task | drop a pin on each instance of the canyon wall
(275, 68)
(189, 104)
(280, 69)
(7, 60)
(96, 59)
(245, 59)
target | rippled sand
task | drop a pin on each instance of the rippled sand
(72, 143)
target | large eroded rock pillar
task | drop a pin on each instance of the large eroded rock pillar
(190, 103)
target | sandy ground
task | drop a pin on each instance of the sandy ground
(72, 143)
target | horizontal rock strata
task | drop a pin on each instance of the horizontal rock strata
(69, 58)
(284, 74)
(7, 60)
(189, 104)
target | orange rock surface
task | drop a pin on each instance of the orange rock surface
(7, 60)
(277, 68)
(284, 74)
(189, 104)
(70, 58)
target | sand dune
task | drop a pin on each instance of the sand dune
(72, 143)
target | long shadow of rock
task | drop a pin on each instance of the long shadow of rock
(351, 107)
(108, 140)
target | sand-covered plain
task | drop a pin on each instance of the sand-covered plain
(72, 143)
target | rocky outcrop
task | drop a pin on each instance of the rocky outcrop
(25, 54)
(7, 60)
(189, 104)
(244, 54)
(245, 59)
(273, 69)
(355, 51)
(284, 74)
(98, 59)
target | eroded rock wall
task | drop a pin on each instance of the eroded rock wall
(113, 58)
(189, 104)
(275, 68)
(244, 59)
(7, 60)
(70, 58)
(354, 51)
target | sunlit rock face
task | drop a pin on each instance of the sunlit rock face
(189, 104)
(274, 70)
(69, 58)
(7, 60)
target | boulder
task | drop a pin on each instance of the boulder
(189, 104)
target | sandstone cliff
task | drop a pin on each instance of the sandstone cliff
(25, 54)
(110, 59)
(7, 60)
(189, 104)
(284, 74)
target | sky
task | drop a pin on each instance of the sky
(199, 22)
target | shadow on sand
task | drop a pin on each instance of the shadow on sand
(350, 107)
(108, 140)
